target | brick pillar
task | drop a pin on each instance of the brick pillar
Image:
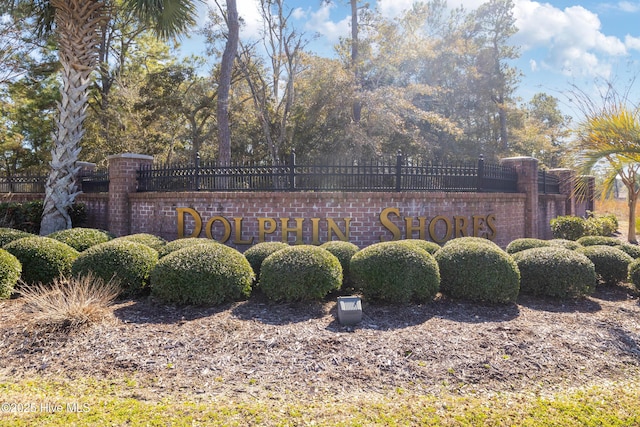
(122, 181)
(567, 179)
(527, 170)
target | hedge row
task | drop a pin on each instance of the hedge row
(201, 271)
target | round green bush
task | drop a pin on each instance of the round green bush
(555, 272)
(630, 249)
(428, 246)
(564, 243)
(568, 227)
(478, 272)
(300, 273)
(10, 269)
(80, 238)
(128, 262)
(611, 263)
(257, 253)
(8, 235)
(43, 259)
(178, 244)
(634, 273)
(150, 240)
(344, 251)
(599, 240)
(395, 272)
(522, 244)
(203, 274)
(469, 239)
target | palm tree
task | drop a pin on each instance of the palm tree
(77, 26)
(610, 139)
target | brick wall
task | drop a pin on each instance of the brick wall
(242, 219)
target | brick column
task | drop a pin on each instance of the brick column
(122, 181)
(527, 170)
(567, 180)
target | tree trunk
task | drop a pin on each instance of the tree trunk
(633, 200)
(78, 30)
(224, 85)
(357, 105)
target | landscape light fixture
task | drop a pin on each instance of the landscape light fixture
(349, 310)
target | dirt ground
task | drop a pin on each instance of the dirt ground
(257, 347)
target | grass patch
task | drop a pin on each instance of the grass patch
(90, 402)
(69, 302)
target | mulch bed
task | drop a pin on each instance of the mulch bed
(256, 347)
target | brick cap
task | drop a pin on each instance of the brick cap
(560, 170)
(130, 156)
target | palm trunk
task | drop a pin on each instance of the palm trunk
(78, 24)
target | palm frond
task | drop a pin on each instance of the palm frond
(168, 18)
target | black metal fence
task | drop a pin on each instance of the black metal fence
(92, 182)
(399, 174)
(548, 183)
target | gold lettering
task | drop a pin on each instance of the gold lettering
(297, 229)
(461, 223)
(386, 222)
(333, 228)
(315, 231)
(225, 224)
(422, 227)
(432, 229)
(238, 229)
(478, 222)
(262, 230)
(491, 218)
(196, 217)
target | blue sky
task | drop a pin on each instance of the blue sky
(563, 43)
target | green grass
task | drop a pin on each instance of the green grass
(124, 402)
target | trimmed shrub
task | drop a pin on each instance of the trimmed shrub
(611, 263)
(428, 246)
(81, 239)
(599, 240)
(555, 272)
(564, 243)
(201, 275)
(128, 262)
(257, 253)
(344, 251)
(43, 259)
(8, 235)
(300, 273)
(600, 225)
(478, 272)
(567, 227)
(469, 239)
(10, 269)
(518, 245)
(630, 249)
(634, 273)
(150, 240)
(395, 272)
(178, 244)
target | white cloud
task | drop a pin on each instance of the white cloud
(571, 37)
(394, 8)
(632, 42)
(630, 7)
(320, 22)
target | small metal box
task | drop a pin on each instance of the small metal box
(349, 310)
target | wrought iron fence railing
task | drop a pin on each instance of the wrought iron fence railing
(399, 174)
(548, 183)
(92, 182)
